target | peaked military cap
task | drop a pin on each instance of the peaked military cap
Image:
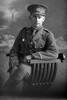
(37, 9)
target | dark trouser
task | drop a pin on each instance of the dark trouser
(15, 81)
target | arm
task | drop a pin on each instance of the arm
(13, 57)
(51, 45)
(50, 48)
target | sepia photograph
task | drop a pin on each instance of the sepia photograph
(33, 49)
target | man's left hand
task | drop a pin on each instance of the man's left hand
(28, 57)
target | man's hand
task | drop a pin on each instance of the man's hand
(13, 61)
(28, 57)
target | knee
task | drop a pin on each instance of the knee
(25, 68)
(22, 71)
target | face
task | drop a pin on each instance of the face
(37, 20)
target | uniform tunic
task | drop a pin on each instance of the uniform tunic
(38, 43)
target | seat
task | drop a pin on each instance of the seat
(43, 72)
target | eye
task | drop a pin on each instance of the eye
(34, 16)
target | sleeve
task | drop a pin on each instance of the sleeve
(51, 51)
(51, 45)
(51, 48)
(13, 58)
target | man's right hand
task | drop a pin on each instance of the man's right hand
(14, 61)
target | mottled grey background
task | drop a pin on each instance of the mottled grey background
(56, 21)
(56, 16)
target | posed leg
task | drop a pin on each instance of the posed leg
(15, 82)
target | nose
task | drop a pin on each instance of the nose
(37, 19)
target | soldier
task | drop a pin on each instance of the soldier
(33, 42)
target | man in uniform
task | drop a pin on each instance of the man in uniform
(33, 42)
